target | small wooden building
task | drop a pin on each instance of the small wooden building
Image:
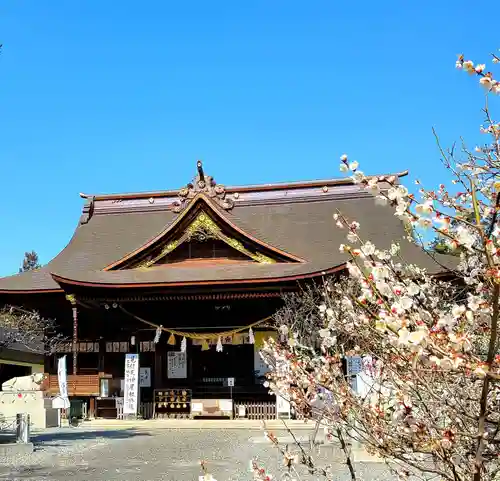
(199, 261)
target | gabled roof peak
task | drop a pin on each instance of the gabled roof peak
(200, 218)
(202, 184)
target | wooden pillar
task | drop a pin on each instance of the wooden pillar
(92, 411)
(102, 354)
(189, 352)
(158, 366)
(72, 299)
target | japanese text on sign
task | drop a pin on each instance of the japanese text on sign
(177, 365)
(354, 365)
(145, 377)
(131, 383)
(282, 406)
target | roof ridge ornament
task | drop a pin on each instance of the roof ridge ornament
(202, 184)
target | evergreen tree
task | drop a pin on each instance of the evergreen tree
(30, 262)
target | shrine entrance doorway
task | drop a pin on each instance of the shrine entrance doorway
(211, 369)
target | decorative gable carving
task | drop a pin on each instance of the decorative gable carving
(202, 184)
(200, 221)
(203, 228)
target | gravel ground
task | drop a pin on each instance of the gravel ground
(173, 455)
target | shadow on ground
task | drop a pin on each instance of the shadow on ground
(7, 437)
(75, 435)
(29, 473)
(43, 473)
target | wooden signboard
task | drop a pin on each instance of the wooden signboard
(176, 365)
(131, 383)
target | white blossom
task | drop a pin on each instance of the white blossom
(399, 192)
(432, 371)
(464, 236)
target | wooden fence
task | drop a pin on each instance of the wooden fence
(119, 410)
(145, 410)
(252, 410)
(255, 410)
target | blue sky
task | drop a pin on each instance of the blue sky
(103, 97)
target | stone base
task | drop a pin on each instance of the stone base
(29, 402)
(15, 449)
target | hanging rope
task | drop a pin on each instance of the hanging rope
(194, 335)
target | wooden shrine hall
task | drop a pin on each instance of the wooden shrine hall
(188, 279)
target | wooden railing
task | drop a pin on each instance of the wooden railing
(78, 385)
(256, 410)
(145, 410)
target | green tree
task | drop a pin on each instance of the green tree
(440, 244)
(30, 262)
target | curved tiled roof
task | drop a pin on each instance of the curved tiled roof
(94, 245)
(297, 221)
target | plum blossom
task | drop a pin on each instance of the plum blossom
(352, 237)
(358, 176)
(474, 302)
(412, 288)
(486, 82)
(425, 208)
(401, 208)
(425, 223)
(457, 311)
(380, 271)
(373, 186)
(398, 192)
(464, 237)
(446, 321)
(407, 337)
(368, 248)
(431, 399)
(468, 66)
(395, 248)
(428, 336)
(402, 305)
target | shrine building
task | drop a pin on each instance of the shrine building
(189, 279)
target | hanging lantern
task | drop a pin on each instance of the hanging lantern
(251, 338)
(171, 340)
(183, 344)
(204, 345)
(219, 345)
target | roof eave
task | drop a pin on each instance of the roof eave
(238, 189)
(30, 291)
(264, 280)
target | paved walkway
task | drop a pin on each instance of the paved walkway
(140, 454)
(244, 424)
